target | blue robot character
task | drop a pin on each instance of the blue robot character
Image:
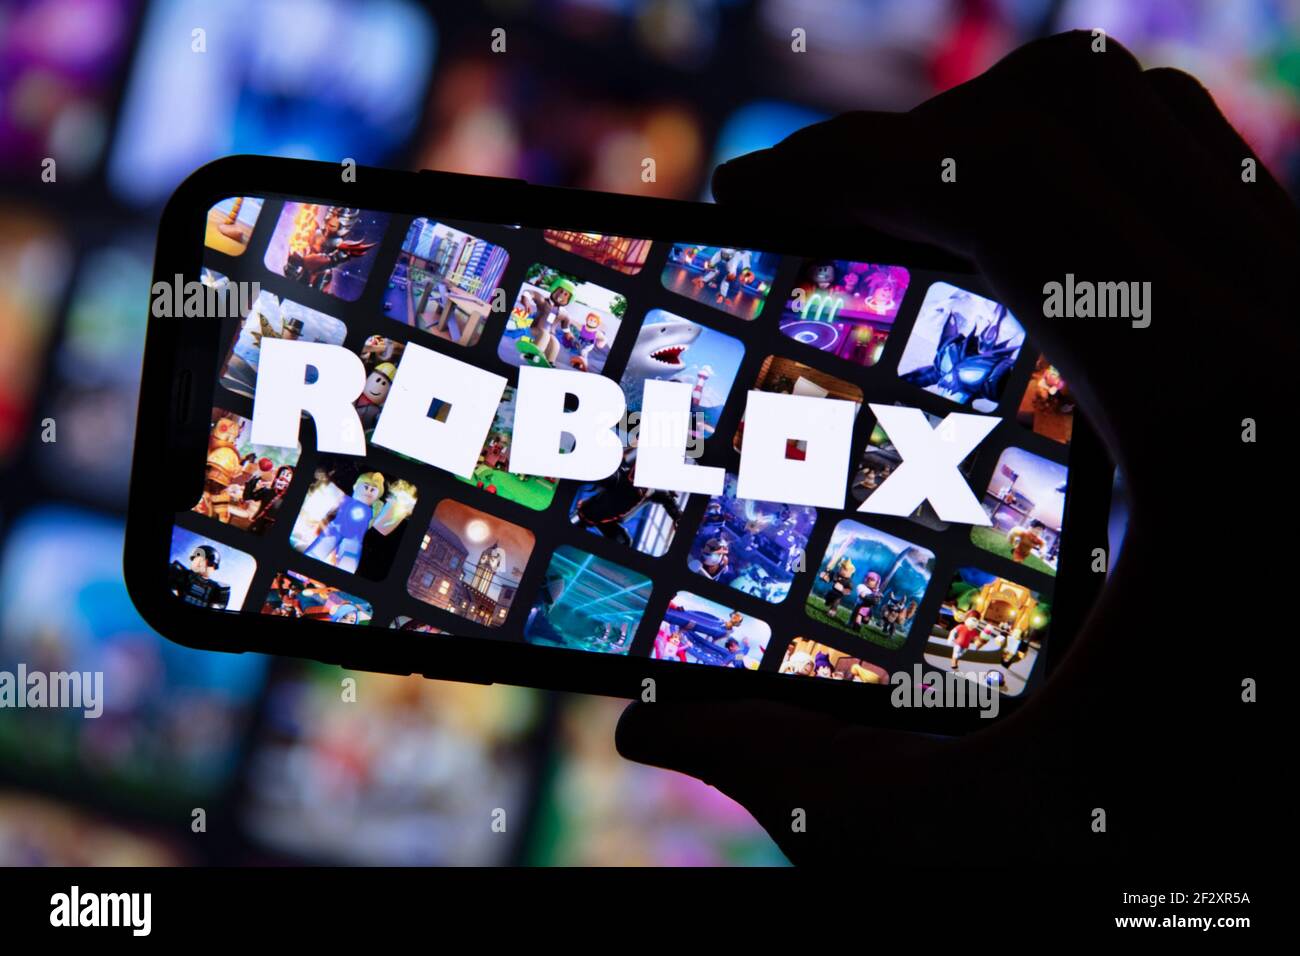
(339, 542)
(970, 365)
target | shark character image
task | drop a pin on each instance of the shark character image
(659, 354)
(669, 348)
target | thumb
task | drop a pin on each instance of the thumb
(783, 764)
(877, 187)
(748, 748)
(719, 741)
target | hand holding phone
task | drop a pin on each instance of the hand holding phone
(1129, 743)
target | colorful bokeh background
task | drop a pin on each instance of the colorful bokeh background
(126, 97)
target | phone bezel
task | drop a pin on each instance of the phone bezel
(165, 449)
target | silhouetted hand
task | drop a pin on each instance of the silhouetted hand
(1067, 161)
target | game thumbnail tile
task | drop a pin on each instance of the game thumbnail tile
(1025, 500)
(807, 658)
(208, 573)
(735, 281)
(787, 377)
(444, 282)
(230, 224)
(880, 458)
(380, 356)
(560, 321)
(695, 630)
(989, 629)
(963, 347)
(470, 563)
(404, 623)
(296, 595)
(615, 252)
(587, 603)
(244, 484)
(845, 308)
(669, 348)
(644, 519)
(870, 584)
(275, 318)
(354, 516)
(1047, 407)
(753, 546)
(327, 248)
(492, 473)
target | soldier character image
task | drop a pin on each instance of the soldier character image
(194, 585)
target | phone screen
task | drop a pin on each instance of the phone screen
(606, 566)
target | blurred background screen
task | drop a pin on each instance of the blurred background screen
(128, 96)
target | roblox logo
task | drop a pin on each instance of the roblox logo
(545, 428)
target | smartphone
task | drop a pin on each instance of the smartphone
(480, 430)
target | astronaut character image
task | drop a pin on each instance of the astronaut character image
(194, 585)
(339, 541)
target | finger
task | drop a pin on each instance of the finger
(785, 765)
(1032, 201)
(939, 171)
(815, 783)
(755, 743)
(1022, 222)
(994, 131)
(1194, 107)
(666, 735)
(1138, 140)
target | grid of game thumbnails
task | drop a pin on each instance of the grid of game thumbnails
(608, 566)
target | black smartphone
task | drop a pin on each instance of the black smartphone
(602, 443)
